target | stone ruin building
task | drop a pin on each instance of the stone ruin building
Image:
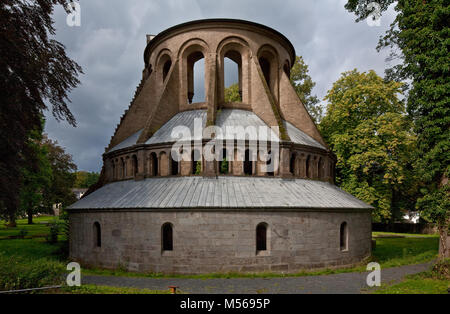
(250, 209)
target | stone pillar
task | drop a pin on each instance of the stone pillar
(315, 168)
(141, 161)
(302, 166)
(164, 164)
(186, 164)
(284, 164)
(237, 164)
(211, 88)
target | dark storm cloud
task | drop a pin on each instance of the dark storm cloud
(110, 43)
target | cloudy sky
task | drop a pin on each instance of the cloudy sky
(110, 42)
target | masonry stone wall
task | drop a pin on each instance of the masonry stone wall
(209, 241)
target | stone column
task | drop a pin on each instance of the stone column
(284, 164)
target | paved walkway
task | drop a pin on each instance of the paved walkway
(338, 283)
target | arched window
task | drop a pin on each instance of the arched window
(223, 163)
(153, 165)
(265, 67)
(343, 236)
(97, 235)
(113, 170)
(124, 168)
(135, 165)
(308, 167)
(174, 165)
(248, 164)
(196, 77)
(270, 164)
(233, 76)
(166, 68)
(196, 162)
(292, 163)
(287, 69)
(261, 237)
(321, 171)
(167, 237)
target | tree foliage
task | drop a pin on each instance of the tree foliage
(36, 176)
(366, 127)
(34, 69)
(48, 180)
(303, 85)
(419, 37)
(85, 179)
(232, 93)
(59, 191)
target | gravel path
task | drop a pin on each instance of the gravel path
(338, 283)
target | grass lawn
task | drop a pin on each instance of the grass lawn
(93, 289)
(377, 234)
(391, 252)
(39, 228)
(417, 284)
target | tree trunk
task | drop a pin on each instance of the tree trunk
(444, 243)
(30, 216)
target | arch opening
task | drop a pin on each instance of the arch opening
(224, 163)
(166, 68)
(292, 164)
(308, 167)
(343, 237)
(196, 160)
(270, 164)
(174, 166)
(265, 67)
(321, 172)
(233, 76)
(167, 237)
(123, 168)
(97, 235)
(153, 165)
(261, 237)
(135, 165)
(248, 163)
(196, 77)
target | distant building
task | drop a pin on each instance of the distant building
(412, 217)
(79, 192)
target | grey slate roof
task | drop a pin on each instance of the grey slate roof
(300, 137)
(185, 118)
(226, 119)
(222, 192)
(130, 141)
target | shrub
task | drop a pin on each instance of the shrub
(21, 273)
(52, 237)
(22, 233)
(441, 270)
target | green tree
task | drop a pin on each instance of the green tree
(35, 177)
(34, 71)
(419, 37)
(366, 127)
(303, 85)
(232, 93)
(85, 179)
(63, 176)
